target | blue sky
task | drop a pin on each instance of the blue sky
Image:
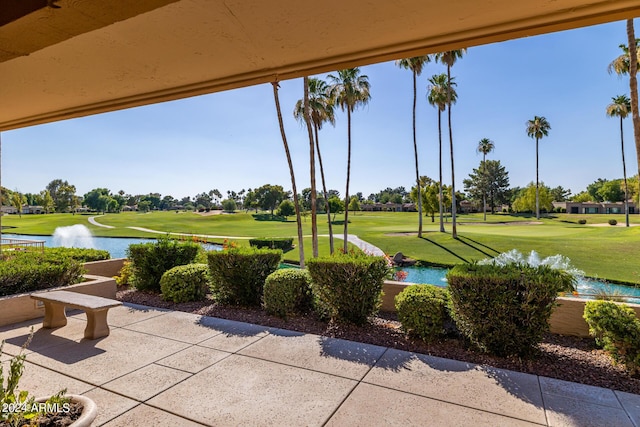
(230, 140)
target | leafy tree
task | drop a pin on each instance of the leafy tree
(144, 206)
(286, 208)
(485, 146)
(449, 58)
(440, 93)
(611, 191)
(582, 197)
(270, 196)
(229, 205)
(594, 190)
(94, 201)
(203, 199)
(415, 65)
(336, 205)
(296, 203)
(430, 192)
(621, 107)
(354, 204)
(490, 179)
(62, 194)
(560, 194)
(17, 200)
(47, 201)
(350, 89)
(537, 128)
(533, 198)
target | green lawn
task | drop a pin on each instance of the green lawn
(608, 252)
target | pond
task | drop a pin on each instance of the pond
(117, 246)
(587, 288)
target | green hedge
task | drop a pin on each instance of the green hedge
(149, 261)
(348, 287)
(80, 254)
(238, 274)
(34, 270)
(272, 243)
(423, 310)
(288, 291)
(185, 283)
(504, 310)
(617, 329)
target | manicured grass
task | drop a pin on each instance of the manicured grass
(608, 252)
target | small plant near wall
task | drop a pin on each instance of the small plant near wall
(613, 222)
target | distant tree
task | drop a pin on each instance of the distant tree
(94, 201)
(430, 191)
(229, 205)
(582, 197)
(144, 206)
(17, 200)
(594, 190)
(560, 194)
(611, 191)
(270, 196)
(286, 208)
(354, 204)
(490, 180)
(167, 203)
(621, 107)
(203, 199)
(537, 128)
(47, 201)
(62, 193)
(485, 146)
(534, 197)
(336, 205)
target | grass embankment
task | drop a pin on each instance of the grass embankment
(607, 252)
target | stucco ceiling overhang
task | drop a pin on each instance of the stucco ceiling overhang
(93, 56)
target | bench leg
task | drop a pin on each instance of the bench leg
(96, 324)
(54, 315)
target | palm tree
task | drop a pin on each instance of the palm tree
(350, 89)
(293, 178)
(621, 107)
(322, 110)
(415, 64)
(538, 128)
(623, 65)
(449, 58)
(438, 94)
(312, 169)
(485, 146)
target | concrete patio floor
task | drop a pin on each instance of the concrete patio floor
(167, 368)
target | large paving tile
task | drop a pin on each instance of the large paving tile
(110, 405)
(242, 390)
(128, 314)
(42, 382)
(567, 412)
(15, 336)
(587, 393)
(102, 360)
(146, 382)
(372, 405)
(193, 359)
(175, 325)
(513, 394)
(143, 415)
(329, 355)
(631, 404)
(233, 335)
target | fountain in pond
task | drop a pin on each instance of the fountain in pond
(73, 236)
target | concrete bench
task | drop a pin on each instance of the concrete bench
(95, 307)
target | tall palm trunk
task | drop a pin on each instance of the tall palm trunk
(324, 192)
(454, 231)
(312, 169)
(293, 178)
(415, 151)
(441, 201)
(624, 175)
(1, 254)
(633, 89)
(346, 204)
(484, 190)
(537, 185)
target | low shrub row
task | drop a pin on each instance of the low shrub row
(272, 243)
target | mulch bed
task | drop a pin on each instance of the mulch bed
(563, 357)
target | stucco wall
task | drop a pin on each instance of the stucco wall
(107, 268)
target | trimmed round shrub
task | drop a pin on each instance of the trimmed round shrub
(185, 283)
(505, 310)
(423, 310)
(149, 261)
(348, 287)
(287, 291)
(582, 221)
(616, 328)
(238, 274)
(613, 222)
